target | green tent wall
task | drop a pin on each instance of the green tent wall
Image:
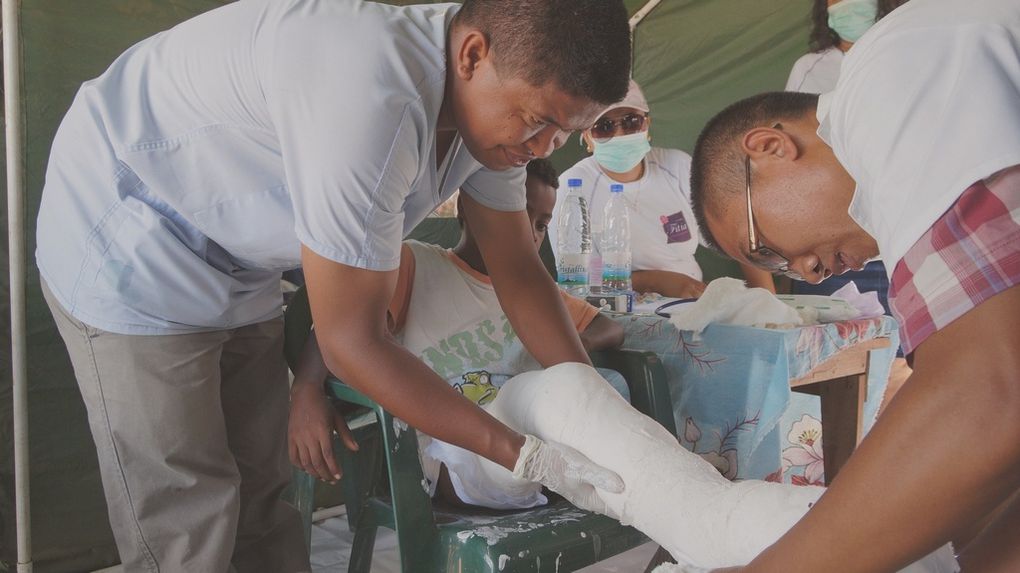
(692, 57)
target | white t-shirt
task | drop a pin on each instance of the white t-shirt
(186, 177)
(447, 314)
(815, 72)
(664, 233)
(928, 102)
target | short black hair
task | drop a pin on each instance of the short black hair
(717, 166)
(581, 45)
(543, 170)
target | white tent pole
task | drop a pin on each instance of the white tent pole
(640, 14)
(13, 116)
(634, 21)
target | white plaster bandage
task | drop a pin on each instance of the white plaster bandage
(672, 495)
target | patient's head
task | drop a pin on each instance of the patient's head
(768, 191)
(541, 185)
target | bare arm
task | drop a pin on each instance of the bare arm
(918, 478)
(602, 333)
(667, 283)
(311, 369)
(357, 346)
(757, 278)
(525, 290)
(313, 419)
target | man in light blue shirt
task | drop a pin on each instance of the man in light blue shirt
(271, 133)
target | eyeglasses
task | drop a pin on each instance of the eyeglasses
(761, 255)
(606, 128)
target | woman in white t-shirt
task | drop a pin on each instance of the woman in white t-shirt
(837, 24)
(656, 186)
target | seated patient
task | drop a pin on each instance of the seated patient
(446, 312)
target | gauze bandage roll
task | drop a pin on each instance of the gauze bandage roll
(672, 495)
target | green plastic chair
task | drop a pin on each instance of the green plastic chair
(383, 486)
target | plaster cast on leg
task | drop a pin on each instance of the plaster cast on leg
(672, 495)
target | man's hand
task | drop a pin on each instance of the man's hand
(310, 431)
(568, 472)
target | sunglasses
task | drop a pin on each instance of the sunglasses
(762, 256)
(606, 128)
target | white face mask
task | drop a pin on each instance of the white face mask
(852, 18)
(622, 153)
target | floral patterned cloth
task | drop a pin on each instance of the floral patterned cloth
(731, 390)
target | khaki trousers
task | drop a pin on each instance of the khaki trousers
(191, 434)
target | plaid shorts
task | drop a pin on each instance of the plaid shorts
(969, 255)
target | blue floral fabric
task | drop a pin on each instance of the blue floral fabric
(731, 393)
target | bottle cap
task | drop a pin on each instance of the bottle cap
(573, 182)
(616, 188)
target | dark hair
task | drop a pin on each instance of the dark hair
(823, 37)
(543, 170)
(717, 166)
(581, 45)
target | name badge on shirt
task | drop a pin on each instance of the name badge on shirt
(676, 228)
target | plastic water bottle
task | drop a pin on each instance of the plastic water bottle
(574, 238)
(616, 243)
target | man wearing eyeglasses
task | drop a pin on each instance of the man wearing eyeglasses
(914, 156)
(656, 189)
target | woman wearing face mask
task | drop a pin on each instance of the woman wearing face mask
(837, 24)
(664, 234)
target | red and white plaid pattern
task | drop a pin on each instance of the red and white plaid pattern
(969, 255)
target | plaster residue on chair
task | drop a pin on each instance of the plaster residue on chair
(492, 534)
(399, 426)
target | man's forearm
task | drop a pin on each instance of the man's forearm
(411, 391)
(918, 478)
(535, 308)
(526, 292)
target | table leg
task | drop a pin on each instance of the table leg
(842, 420)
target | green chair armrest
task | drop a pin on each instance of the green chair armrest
(340, 391)
(646, 378)
(415, 523)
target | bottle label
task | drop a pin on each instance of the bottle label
(615, 269)
(572, 269)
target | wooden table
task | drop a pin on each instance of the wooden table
(842, 384)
